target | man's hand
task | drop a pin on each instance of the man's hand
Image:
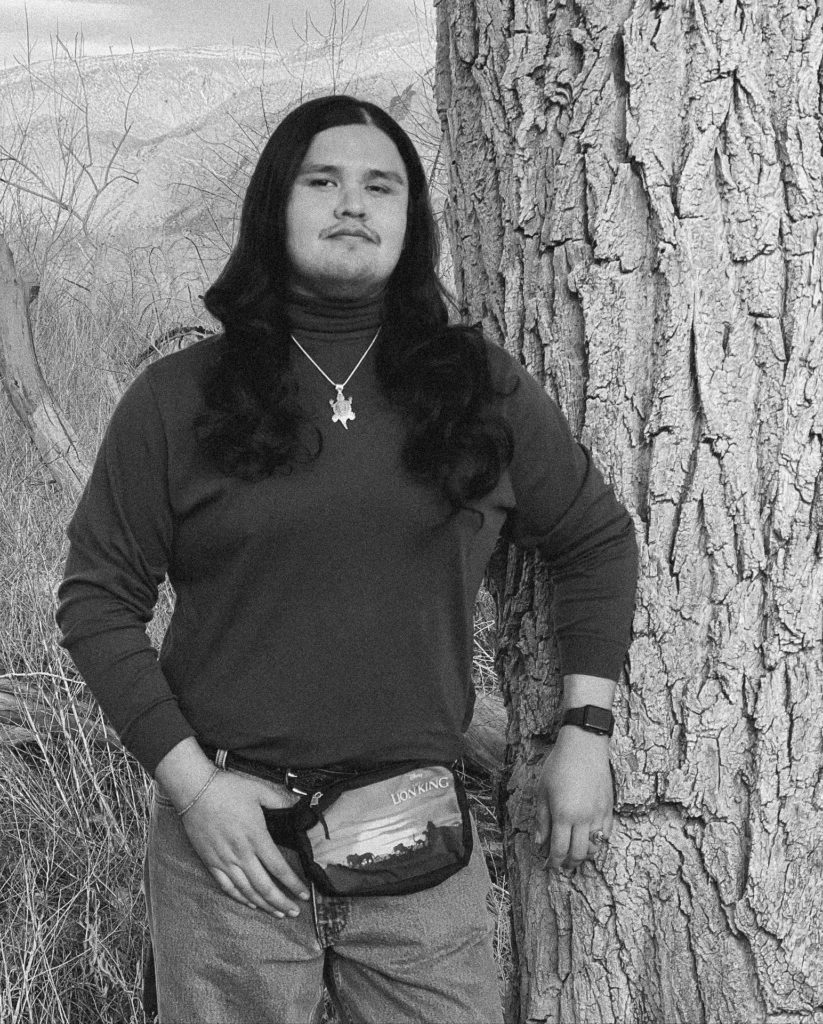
(573, 797)
(227, 830)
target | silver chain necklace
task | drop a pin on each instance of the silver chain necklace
(341, 407)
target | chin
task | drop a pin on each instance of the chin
(345, 277)
(349, 277)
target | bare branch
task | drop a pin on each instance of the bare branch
(39, 195)
(26, 387)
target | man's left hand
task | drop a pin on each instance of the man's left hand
(573, 797)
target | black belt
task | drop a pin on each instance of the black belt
(298, 780)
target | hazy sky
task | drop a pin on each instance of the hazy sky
(116, 26)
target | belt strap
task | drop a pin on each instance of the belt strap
(298, 780)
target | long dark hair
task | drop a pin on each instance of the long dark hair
(437, 374)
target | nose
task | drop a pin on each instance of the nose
(350, 202)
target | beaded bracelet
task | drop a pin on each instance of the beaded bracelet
(203, 789)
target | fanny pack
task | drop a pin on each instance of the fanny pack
(388, 832)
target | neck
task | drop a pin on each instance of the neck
(335, 291)
(324, 319)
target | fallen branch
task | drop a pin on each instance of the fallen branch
(27, 715)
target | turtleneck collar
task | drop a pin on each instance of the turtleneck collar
(333, 320)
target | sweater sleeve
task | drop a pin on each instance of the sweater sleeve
(120, 539)
(566, 511)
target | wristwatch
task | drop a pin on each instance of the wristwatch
(591, 718)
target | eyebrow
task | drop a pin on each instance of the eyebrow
(371, 173)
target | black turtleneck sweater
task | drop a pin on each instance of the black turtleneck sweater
(324, 615)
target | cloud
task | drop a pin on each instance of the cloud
(106, 27)
(48, 12)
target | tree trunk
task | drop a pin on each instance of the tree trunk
(26, 387)
(635, 209)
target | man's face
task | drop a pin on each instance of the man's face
(346, 213)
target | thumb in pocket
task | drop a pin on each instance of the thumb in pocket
(275, 797)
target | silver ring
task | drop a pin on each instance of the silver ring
(599, 837)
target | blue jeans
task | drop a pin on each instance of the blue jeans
(425, 958)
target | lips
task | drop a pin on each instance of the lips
(351, 232)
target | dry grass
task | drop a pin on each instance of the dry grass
(72, 821)
(72, 812)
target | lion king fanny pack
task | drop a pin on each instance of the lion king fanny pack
(387, 832)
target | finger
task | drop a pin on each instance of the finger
(578, 846)
(274, 901)
(230, 889)
(264, 888)
(277, 867)
(268, 851)
(542, 820)
(239, 872)
(559, 844)
(598, 846)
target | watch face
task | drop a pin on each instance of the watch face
(592, 718)
(597, 718)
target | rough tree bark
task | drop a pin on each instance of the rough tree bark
(636, 197)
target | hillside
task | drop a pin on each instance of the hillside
(174, 181)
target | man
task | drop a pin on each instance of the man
(326, 562)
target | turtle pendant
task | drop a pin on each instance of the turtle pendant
(341, 407)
